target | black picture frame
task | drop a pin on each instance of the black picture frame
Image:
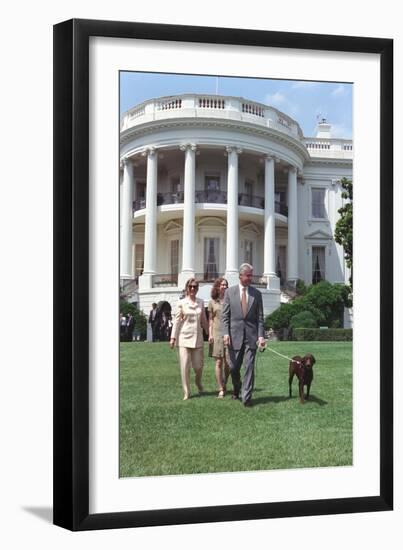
(71, 274)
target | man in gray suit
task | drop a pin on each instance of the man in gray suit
(243, 331)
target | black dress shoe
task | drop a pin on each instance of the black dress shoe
(248, 403)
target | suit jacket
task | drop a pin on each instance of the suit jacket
(150, 317)
(242, 329)
(190, 320)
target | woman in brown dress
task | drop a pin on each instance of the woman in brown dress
(217, 349)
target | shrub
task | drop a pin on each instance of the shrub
(331, 334)
(330, 300)
(301, 287)
(326, 302)
(140, 320)
(305, 319)
(281, 317)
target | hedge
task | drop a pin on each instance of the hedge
(315, 334)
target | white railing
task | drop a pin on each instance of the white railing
(211, 103)
(169, 104)
(137, 112)
(338, 148)
(200, 105)
(253, 109)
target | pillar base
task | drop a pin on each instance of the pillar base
(273, 282)
(183, 278)
(146, 281)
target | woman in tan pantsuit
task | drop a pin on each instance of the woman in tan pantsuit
(217, 349)
(187, 334)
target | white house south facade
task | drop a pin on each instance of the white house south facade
(210, 182)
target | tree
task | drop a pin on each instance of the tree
(343, 233)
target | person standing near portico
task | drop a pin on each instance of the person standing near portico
(243, 331)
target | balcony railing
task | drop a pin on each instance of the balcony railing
(245, 199)
(199, 106)
(215, 197)
(207, 276)
(170, 198)
(139, 204)
(281, 208)
(171, 279)
(167, 279)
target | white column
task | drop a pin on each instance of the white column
(189, 208)
(232, 267)
(150, 230)
(126, 235)
(273, 281)
(292, 248)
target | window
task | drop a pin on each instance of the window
(139, 259)
(249, 188)
(318, 264)
(212, 183)
(318, 203)
(211, 255)
(175, 184)
(280, 202)
(281, 265)
(248, 252)
(175, 257)
(141, 190)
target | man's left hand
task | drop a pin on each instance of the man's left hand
(261, 342)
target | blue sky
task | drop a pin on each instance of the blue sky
(304, 101)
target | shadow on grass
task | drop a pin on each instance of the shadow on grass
(317, 400)
(270, 399)
(281, 398)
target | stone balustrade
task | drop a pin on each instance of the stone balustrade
(196, 105)
(334, 148)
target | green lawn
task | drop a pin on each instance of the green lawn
(160, 434)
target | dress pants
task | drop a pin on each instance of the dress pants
(190, 357)
(236, 358)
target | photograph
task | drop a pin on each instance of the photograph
(236, 274)
(219, 367)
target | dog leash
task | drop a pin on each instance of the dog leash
(284, 356)
(261, 350)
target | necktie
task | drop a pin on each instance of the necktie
(244, 303)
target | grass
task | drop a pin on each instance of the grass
(162, 435)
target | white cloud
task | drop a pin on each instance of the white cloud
(339, 91)
(275, 99)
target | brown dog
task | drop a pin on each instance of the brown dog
(302, 367)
